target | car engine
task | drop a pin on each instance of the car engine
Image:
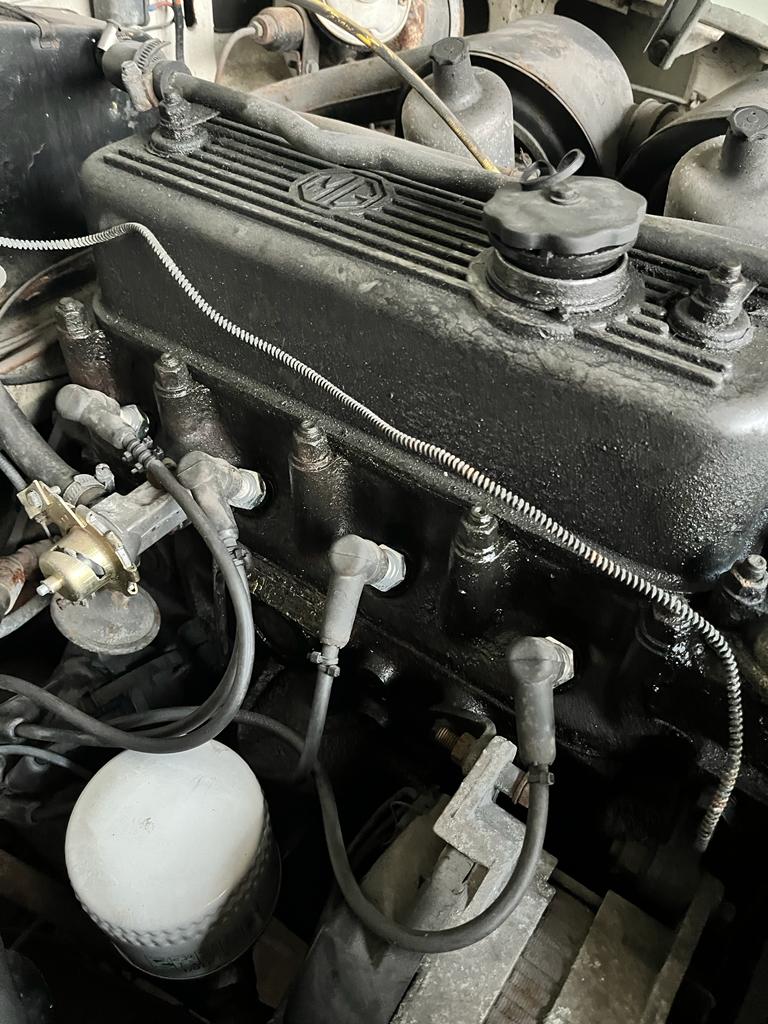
(384, 469)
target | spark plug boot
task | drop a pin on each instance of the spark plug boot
(537, 665)
(355, 564)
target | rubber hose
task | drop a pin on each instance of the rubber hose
(178, 25)
(315, 727)
(43, 754)
(27, 449)
(21, 616)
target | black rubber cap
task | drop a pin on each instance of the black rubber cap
(450, 51)
(578, 217)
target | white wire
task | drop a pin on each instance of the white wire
(560, 535)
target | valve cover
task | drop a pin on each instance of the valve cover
(606, 419)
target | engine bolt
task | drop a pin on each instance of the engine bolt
(444, 736)
(72, 319)
(564, 195)
(311, 450)
(754, 568)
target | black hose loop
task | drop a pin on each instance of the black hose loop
(541, 174)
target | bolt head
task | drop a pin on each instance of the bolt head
(105, 476)
(449, 51)
(730, 271)
(757, 565)
(749, 122)
(564, 195)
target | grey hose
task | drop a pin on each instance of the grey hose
(333, 141)
(369, 151)
(21, 616)
(43, 754)
(315, 727)
(705, 244)
(248, 32)
(559, 535)
(28, 450)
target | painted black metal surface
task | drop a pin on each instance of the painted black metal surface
(55, 109)
(608, 421)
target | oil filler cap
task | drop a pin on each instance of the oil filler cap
(577, 217)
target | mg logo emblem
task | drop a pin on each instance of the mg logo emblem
(341, 191)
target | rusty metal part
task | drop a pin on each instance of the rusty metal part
(109, 623)
(279, 29)
(444, 736)
(412, 33)
(40, 895)
(464, 747)
(15, 570)
(319, 486)
(428, 21)
(88, 354)
(189, 415)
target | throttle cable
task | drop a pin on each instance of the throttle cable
(560, 535)
(394, 60)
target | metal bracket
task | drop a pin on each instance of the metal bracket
(305, 61)
(676, 21)
(461, 987)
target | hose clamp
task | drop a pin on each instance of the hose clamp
(540, 775)
(324, 665)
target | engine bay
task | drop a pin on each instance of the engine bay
(383, 410)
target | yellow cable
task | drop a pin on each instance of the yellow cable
(428, 94)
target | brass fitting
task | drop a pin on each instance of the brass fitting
(89, 555)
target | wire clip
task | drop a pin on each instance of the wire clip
(329, 667)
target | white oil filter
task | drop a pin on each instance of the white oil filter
(172, 855)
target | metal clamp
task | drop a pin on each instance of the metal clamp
(676, 21)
